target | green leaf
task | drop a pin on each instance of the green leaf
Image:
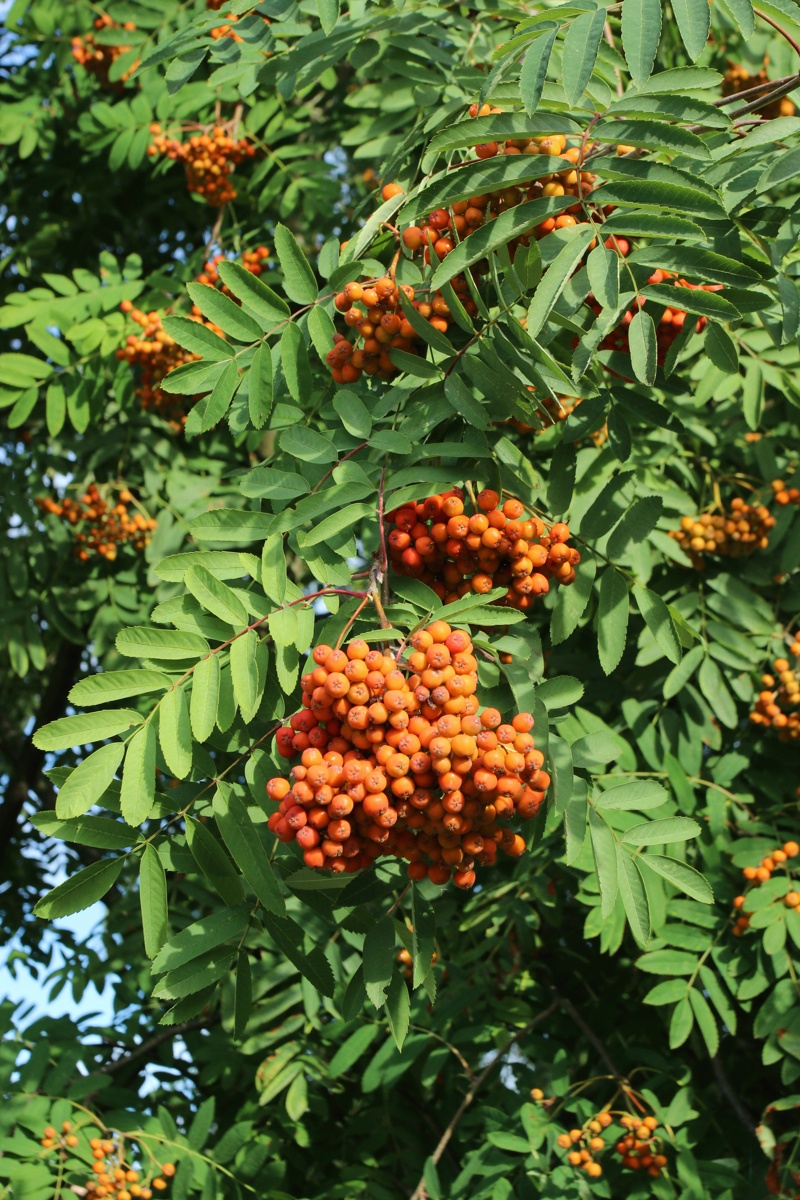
(694, 20)
(719, 998)
(306, 445)
(143, 641)
(465, 404)
(398, 1009)
(194, 336)
(753, 395)
(534, 66)
(634, 896)
(259, 395)
(175, 732)
(596, 749)
(241, 838)
(314, 967)
(642, 342)
(681, 1023)
(55, 409)
(639, 796)
(353, 413)
(67, 732)
(274, 577)
(243, 997)
(636, 525)
(659, 622)
(298, 278)
(682, 876)
(670, 829)
(351, 1050)
(605, 861)
(579, 53)
(667, 992)
(209, 411)
(612, 619)
(80, 891)
(705, 1020)
(153, 901)
(99, 832)
(422, 937)
(137, 792)
(294, 362)
(244, 672)
(571, 601)
(223, 312)
(721, 349)
(602, 266)
(556, 277)
(561, 769)
(214, 862)
(641, 32)
(509, 224)
(200, 937)
(88, 782)
(378, 960)
(338, 522)
(680, 675)
(715, 690)
(117, 685)
(259, 300)
(215, 596)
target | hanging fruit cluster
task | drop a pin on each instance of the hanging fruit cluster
(670, 324)
(155, 353)
(209, 159)
(755, 876)
(742, 530)
(104, 523)
(638, 1145)
(113, 1178)
(778, 705)
(785, 495)
(373, 309)
(436, 541)
(252, 261)
(738, 79)
(99, 57)
(397, 759)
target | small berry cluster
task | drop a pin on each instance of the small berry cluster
(98, 57)
(741, 531)
(105, 524)
(397, 759)
(738, 79)
(155, 353)
(781, 693)
(112, 1177)
(636, 1148)
(637, 1145)
(209, 159)
(583, 1144)
(407, 962)
(436, 541)
(373, 309)
(670, 324)
(760, 874)
(252, 261)
(227, 31)
(785, 495)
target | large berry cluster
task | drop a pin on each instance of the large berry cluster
(113, 1178)
(498, 546)
(638, 1145)
(741, 531)
(778, 705)
(670, 324)
(209, 159)
(738, 79)
(398, 759)
(104, 523)
(99, 57)
(374, 311)
(755, 876)
(155, 353)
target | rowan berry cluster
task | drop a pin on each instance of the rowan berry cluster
(755, 876)
(112, 1177)
(467, 215)
(105, 524)
(742, 530)
(738, 79)
(436, 541)
(252, 261)
(784, 495)
(778, 705)
(583, 1144)
(98, 57)
(638, 1148)
(374, 311)
(209, 160)
(670, 323)
(155, 353)
(397, 759)
(227, 31)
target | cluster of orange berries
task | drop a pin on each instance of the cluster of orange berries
(637, 1146)
(781, 692)
(397, 759)
(670, 324)
(98, 57)
(374, 311)
(741, 531)
(407, 962)
(105, 524)
(209, 159)
(738, 79)
(760, 874)
(435, 541)
(112, 1177)
(156, 354)
(784, 495)
(252, 261)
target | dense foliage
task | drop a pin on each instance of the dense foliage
(401, 588)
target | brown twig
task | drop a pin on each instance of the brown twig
(587, 1031)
